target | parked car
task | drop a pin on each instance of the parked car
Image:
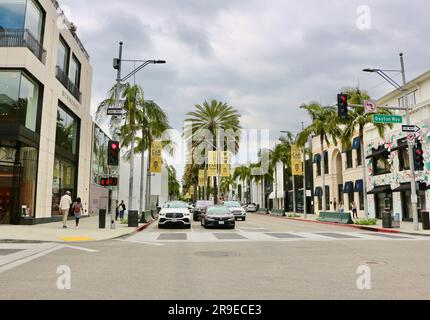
(174, 213)
(236, 209)
(200, 208)
(218, 217)
(251, 208)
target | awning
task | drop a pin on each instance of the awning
(318, 192)
(380, 189)
(356, 143)
(272, 195)
(317, 158)
(359, 186)
(403, 187)
(349, 187)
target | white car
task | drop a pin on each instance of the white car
(174, 213)
(236, 209)
(251, 208)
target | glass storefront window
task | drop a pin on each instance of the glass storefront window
(64, 180)
(28, 162)
(19, 99)
(99, 167)
(34, 20)
(67, 129)
(12, 14)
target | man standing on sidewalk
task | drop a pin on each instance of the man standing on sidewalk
(65, 203)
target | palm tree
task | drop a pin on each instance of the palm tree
(324, 124)
(132, 96)
(358, 119)
(226, 183)
(213, 118)
(243, 173)
(173, 183)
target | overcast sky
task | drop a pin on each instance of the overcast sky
(265, 58)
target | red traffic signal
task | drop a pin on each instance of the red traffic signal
(342, 105)
(109, 182)
(113, 153)
(419, 157)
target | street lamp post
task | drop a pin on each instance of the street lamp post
(404, 90)
(118, 65)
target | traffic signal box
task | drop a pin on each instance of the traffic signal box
(342, 105)
(113, 153)
(419, 157)
(109, 182)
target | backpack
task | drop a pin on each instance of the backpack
(77, 208)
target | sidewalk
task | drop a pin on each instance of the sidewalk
(405, 227)
(54, 232)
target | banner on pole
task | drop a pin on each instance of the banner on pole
(156, 157)
(212, 164)
(201, 178)
(296, 161)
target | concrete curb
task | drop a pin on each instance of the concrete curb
(366, 228)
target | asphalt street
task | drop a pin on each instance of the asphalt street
(263, 258)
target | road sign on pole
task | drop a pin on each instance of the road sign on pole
(370, 106)
(382, 118)
(411, 128)
(411, 137)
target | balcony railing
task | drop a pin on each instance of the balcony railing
(22, 38)
(68, 84)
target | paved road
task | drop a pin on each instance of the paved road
(264, 258)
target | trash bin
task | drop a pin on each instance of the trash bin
(387, 220)
(133, 218)
(426, 220)
(102, 219)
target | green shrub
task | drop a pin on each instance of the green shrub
(294, 216)
(124, 221)
(367, 222)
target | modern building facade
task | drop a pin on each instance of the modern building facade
(387, 158)
(45, 131)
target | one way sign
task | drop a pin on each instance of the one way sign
(411, 128)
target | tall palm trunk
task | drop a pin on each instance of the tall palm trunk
(276, 187)
(142, 173)
(363, 167)
(131, 180)
(324, 195)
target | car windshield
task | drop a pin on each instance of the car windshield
(232, 204)
(175, 205)
(217, 210)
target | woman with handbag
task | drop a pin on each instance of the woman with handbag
(77, 210)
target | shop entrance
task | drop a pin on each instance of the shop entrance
(9, 193)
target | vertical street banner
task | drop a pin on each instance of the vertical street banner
(156, 157)
(225, 164)
(296, 161)
(212, 164)
(201, 178)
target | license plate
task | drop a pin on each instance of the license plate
(174, 220)
(221, 222)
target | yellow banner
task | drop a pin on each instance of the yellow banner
(156, 157)
(297, 168)
(225, 157)
(296, 154)
(201, 178)
(212, 170)
(212, 157)
(225, 170)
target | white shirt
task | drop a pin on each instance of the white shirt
(65, 202)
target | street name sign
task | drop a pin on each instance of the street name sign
(411, 128)
(382, 118)
(114, 112)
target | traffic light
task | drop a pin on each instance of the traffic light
(109, 182)
(419, 157)
(113, 153)
(342, 105)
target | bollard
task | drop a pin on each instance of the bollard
(133, 218)
(102, 218)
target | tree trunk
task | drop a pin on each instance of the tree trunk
(148, 175)
(142, 173)
(324, 194)
(276, 187)
(131, 180)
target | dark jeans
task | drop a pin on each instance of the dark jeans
(77, 221)
(121, 215)
(354, 213)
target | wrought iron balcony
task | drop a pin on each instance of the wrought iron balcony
(68, 84)
(22, 38)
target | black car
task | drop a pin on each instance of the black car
(200, 208)
(218, 217)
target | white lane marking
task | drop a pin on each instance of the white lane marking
(142, 242)
(80, 248)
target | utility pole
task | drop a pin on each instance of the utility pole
(411, 145)
(304, 177)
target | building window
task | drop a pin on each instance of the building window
(34, 20)
(99, 166)
(412, 100)
(359, 155)
(28, 160)
(64, 180)
(75, 72)
(63, 56)
(320, 203)
(326, 162)
(327, 198)
(67, 131)
(361, 195)
(12, 14)
(349, 164)
(380, 161)
(19, 99)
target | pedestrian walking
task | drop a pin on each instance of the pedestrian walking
(122, 209)
(65, 203)
(341, 207)
(354, 210)
(117, 210)
(77, 211)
